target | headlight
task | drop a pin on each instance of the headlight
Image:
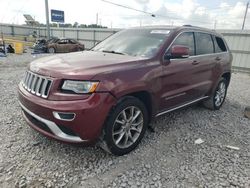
(80, 86)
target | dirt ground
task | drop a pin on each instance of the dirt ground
(167, 158)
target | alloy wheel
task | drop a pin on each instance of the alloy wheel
(127, 127)
(220, 94)
(51, 50)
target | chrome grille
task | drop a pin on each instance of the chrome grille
(36, 84)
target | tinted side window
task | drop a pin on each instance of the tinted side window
(63, 41)
(72, 41)
(219, 45)
(204, 44)
(186, 39)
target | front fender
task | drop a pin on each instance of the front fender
(128, 82)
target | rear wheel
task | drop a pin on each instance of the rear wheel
(125, 127)
(218, 97)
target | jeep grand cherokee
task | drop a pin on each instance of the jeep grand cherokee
(110, 93)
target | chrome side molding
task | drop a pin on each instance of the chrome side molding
(181, 106)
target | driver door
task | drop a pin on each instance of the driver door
(177, 78)
(61, 45)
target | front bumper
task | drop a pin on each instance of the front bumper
(86, 125)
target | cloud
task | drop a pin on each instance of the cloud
(238, 10)
(142, 1)
(200, 11)
(229, 17)
(226, 14)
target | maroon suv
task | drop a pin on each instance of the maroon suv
(110, 93)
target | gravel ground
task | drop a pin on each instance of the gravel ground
(166, 158)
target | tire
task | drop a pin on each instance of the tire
(125, 126)
(218, 97)
(51, 50)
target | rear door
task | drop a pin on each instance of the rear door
(67, 46)
(73, 45)
(204, 64)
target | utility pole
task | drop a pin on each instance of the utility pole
(96, 19)
(215, 24)
(243, 25)
(47, 18)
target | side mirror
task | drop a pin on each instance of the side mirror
(177, 51)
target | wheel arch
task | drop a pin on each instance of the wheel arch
(145, 97)
(227, 76)
(106, 140)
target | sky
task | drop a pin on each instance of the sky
(219, 14)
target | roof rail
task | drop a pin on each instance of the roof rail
(187, 25)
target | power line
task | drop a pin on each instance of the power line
(127, 7)
(20, 10)
(153, 14)
(3, 16)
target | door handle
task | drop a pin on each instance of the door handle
(217, 58)
(195, 62)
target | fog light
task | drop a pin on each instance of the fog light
(65, 116)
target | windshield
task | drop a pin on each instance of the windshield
(134, 42)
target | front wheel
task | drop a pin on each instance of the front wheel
(125, 126)
(51, 50)
(218, 97)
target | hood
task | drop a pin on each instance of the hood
(84, 65)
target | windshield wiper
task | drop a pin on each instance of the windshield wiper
(113, 52)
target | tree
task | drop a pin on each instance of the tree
(82, 26)
(76, 24)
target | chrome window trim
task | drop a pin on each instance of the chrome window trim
(196, 56)
(197, 31)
